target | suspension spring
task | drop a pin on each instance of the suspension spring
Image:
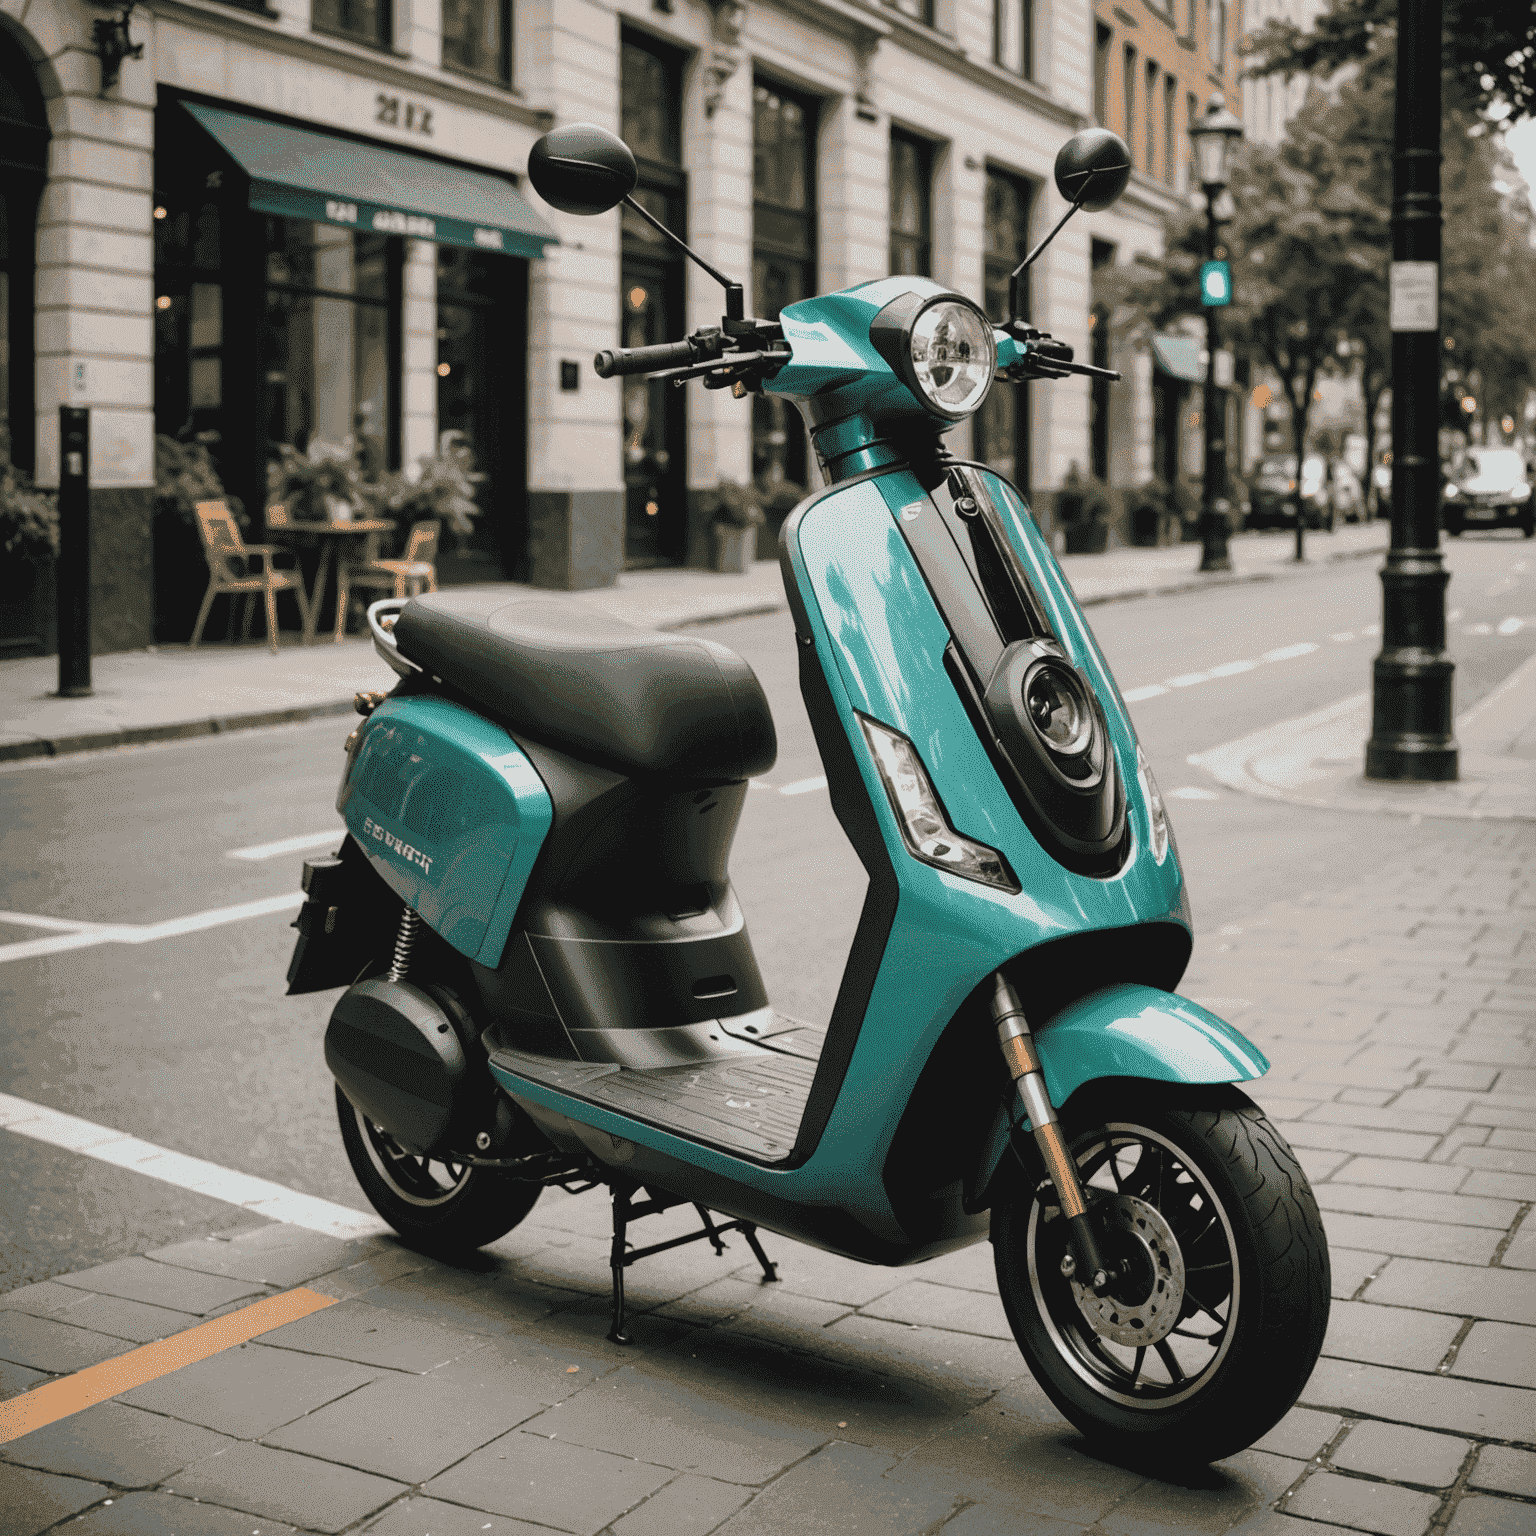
(405, 942)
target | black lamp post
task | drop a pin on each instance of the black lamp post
(1213, 137)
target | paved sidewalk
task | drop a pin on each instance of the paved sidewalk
(173, 692)
(437, 1399)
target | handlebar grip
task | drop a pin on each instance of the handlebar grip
(621, 360)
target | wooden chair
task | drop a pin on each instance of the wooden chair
(415, 567)
(232, 568)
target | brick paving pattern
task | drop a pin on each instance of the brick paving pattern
(1398, 1014)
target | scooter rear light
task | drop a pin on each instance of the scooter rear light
(925, 828)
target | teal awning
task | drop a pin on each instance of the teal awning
(1179, 356)
(306, 173)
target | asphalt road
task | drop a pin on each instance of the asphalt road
(188, 1042)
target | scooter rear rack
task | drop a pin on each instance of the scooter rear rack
(626, 1209)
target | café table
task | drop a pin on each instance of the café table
(332, 540)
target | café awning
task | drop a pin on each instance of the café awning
(1179, 357)
(306, 173)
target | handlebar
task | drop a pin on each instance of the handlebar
(621, 360)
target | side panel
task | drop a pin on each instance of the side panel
(451, 814)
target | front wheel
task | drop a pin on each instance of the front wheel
(436, 1205)
(1220, 1302)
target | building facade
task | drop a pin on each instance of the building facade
(307, 222)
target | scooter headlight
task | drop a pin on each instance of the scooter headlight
(1157, 812)
(954, 356)
(924, 827)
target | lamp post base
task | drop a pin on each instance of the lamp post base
(1213, 537)
(1410, 760)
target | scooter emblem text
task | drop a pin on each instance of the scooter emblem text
(405, 850)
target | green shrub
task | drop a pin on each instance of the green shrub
(29, 518)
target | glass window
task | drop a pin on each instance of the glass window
(364, 21)
(1002, 424)
(650, 103)
(1013, 36)
(911, 206)
(1152, 73)
(326, 345)
(477, 38)
(1130, 100)
(918, 10)
(1216, 21)
(1102, 256)
(1104, 42)
(1170, 139)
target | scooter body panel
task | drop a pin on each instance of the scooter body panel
(451, 814)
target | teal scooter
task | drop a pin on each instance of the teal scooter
(549, 979)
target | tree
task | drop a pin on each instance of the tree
(1488, 49)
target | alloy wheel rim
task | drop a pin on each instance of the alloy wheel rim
(419, 1181)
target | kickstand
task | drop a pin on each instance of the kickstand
(617, 1262)
(749, 1231)
(709, 1229)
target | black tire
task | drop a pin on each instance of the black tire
(435, 1205)
(1232, 1204)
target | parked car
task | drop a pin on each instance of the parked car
(1488, 488)
(1275, 492)
(1381, 478)
(1348, 493)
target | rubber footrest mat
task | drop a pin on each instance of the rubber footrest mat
(747, 1105)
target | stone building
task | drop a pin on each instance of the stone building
(306, 220)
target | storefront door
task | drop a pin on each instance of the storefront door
(655, 502)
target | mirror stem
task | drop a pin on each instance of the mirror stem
(1023, 266)
(735, 300)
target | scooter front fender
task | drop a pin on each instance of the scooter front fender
(1132, 1031)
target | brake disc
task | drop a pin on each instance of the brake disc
(1145, 1303)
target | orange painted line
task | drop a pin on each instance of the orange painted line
(56, 1400)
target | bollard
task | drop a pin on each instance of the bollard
(74, 567)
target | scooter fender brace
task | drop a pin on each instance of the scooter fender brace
(1126, 1030)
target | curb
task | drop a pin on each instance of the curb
(133, 736)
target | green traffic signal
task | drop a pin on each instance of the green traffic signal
(1215, 283)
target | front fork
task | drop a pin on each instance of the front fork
(1018, 1048)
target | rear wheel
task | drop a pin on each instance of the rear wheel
(1220, 1304)
(436, 1204)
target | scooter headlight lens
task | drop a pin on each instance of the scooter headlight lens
(954, 356)
(1157, 812)
(1057, 708)
(924, 827)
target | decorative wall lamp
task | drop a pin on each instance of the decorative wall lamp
(113, 45)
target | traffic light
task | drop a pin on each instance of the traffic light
(1215, 283)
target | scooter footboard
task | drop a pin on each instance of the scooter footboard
(1130, 1030)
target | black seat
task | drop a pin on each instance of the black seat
(635, 700)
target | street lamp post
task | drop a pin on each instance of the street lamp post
(1213, 137)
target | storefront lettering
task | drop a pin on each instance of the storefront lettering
(341, 213)
(490, 239)
(387, 221)
(413, 116)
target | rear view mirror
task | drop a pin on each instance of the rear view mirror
(1094, 166)
(582, 168)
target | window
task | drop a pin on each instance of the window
(1130, 100)
(911, 206)
(1013, 36)
(1002, 423)
(1170, 139)
(1151, 98)
(1216, 22)
(477, 38)
(1103, 43)
(364, 21)
(918, 10)
(1103, 255)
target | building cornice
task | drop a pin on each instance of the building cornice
(393, 70)
(853, 23)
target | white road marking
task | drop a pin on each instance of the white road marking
(1189, 792)
(1225, 669)
(1232, 668)
(1289, 652)
(262, 1196)
(758, 784)
(1343, 635)
(1453, 615)
(1512, 626)
(1478, 629)
(1147, 691)
(803, 786)
(1189, 679)
(287, 845)
(88, 934)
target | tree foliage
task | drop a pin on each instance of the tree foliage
(1488, 48)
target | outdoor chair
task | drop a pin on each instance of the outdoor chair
(414, 568)
(241, 569)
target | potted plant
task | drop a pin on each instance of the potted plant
(29, 543)
(736, 512)
(444, 488)
(1155, 517)
(1082, 509)
(323, 483)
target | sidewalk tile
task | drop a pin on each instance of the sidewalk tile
(1460, 1075)
(687, 1506)
(18, 1378)
(42, 1298)
(1431, 1402)
(1482, 1112)
(406, 1427)
(1499, 1352)
(482, 1307)
(533, 1368)
(386, 1265)
(1302, 1433)
(1516, 1140)
(1505, 1470)
(1393, 1119)
(1463, 1137)
(549, 1483)
(1212, 1499)
(990, 1520)
(812, 1272)
(46, 1345)
(1505, 1295)
(1521, 1253)
(1380, 1507)
(768, 1310)
(431, 1517)
(942, 1306)
(318, 1495)
(117, 1444)
(1351, 1269)
(670, 1423)
(162, 1285)
(135, 1321)
(1478, 1514)
(249, 1391)
(1502, 1186)
(870, 1343)
(1401, 1454)
(845, 1478)
(1344, 1138)
(32, 1501)
(1360, 1330)
(1401, 1173)
(278, 1255)
(1419, 1205)
(1411, 1239)
(159, 1514)
(370, 1335)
